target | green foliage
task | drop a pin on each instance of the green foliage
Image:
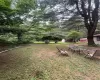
(12, 33)
(8, 38)
(5, 10)
(12, 29)
(5, 5)
(25, 6)
(10, 19)
(74, 35)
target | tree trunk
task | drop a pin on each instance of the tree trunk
(90, 40)
(19, 35)
(90, 17)
(90, 37)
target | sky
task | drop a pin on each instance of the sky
(59, 10)
(13, 5)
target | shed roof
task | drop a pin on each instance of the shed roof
(96, 35)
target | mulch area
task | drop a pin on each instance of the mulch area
(2, 48)
(96, 48)
(92, 52)
(88, 47)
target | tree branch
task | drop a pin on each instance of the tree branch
(85, 14)
(84, 10)
(78, 8)
(95, 11)
(95, 15)
(89, 9)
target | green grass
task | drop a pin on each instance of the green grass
(40, 62)
(51, 42)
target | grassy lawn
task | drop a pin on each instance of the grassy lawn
(40, 62)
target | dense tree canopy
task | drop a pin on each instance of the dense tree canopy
(88, 9)
(11, 13)
(64, 15)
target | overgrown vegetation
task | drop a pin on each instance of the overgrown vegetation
(40, 62)
(74, 36)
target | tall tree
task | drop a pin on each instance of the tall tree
(11, 13)
(4, 11)
(88, 9)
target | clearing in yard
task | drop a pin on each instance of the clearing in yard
(41, 62)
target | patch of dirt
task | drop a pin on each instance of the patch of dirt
(93, 76)
(5, 59)
(78, 73)
(45, 53)
(88, 78)
(85, 76)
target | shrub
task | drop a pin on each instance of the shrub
(74, 36)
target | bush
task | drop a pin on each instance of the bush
(47, 41)
(74, 36)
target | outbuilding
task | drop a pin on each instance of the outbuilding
(97, 39)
